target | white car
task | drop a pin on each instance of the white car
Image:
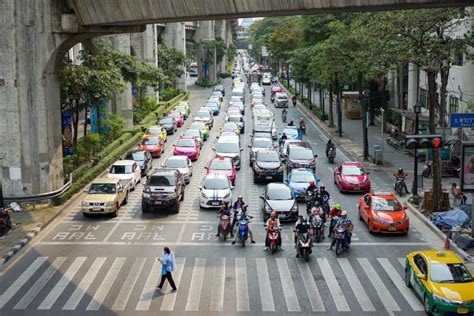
(181, 163)
(126, 170)
(266, 81)
(215, 190)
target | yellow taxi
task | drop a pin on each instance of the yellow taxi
(441, 281)
(156, 130)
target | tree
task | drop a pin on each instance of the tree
(171, 62)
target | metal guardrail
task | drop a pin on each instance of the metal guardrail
(42, 196)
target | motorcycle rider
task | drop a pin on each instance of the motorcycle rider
(272, 222)
(401, 174)
(324, 198)
(336, 211)
(313, 189)
(302, 124)
(243, 215)
(293, 99)
(284, 113)
(317, 210)
(224, 210)
(238, 205)
(346, 223)
(301, 227)
(283, 138)
(329, 145)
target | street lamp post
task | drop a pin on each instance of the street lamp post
(365, 122)
(382, 111)
(417, 110)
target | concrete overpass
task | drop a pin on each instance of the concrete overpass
(36, 34)
(130, 12)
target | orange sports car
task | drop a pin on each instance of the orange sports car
(383, 213)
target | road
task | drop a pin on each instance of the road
(107, 266)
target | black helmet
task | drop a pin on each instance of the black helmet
(316, 204)
(400, 169)
(322, 187)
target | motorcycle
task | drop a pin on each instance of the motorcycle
(317, 228)
(272, 98)
(309, 199)
(294, 102)
(303, 128)
(243, 231)
(427, 171)
(283, 117)
(342, 243)
(5, 221)
(224, 227)
(303, 248)
(399, 186)
(331, 154)
(273, 237)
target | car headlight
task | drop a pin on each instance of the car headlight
(108, 204)
(172, 196)
(256, 167)
(146, 195)
(204, 195)
(84, 203)
(406, 220)
(227, 196)
(378, 220)
(294, 208)
(445, 300)
(268, 209)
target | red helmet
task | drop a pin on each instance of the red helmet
(311, 183)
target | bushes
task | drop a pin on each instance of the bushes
(207, 83)
(168, 94)
(148, 105)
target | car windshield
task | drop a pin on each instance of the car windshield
(150, 141)
(262, 143)
(280, 193)
(198, 126)
(268, 156)
(166, 121)
(175, 114)
(215, 184)
(102, 188)
(290, 131)
(235, 99)
(387, 205)
(137, 156)
(192, 132)
(153, 131)
(234, 118)
(228, 147)
(212, 105)
(162, 181)
(352, 171)
(203, 114)
(185, 143)
(176, 163)
(229, 126)
(262, 134)
(450, 273)
(221, 165)
(302, 177)
(238, 93)
(119, 169)
(299, 153)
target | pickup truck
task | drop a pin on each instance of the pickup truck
(105, 196)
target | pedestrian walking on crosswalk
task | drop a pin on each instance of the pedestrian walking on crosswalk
(168, 264)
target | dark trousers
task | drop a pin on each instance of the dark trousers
(170, 280)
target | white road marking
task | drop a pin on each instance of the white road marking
(400, 284)
(67, 277)
(127, 288)
(402, 262)
(148, 291)
(194, 294)
(170, 298)
(241, 285)
(218, 286)
(288, 287)
(40, 283)
(356, 286)
(106, 284)
(385, 297)
(22, 279)
(311, 289)
(333, 285)
(266, 296)
(84, 285)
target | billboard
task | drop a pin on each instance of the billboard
(467, 165)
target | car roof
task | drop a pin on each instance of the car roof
(154, 127)
(229, 139)
(352, 163)
(215, 176)
(164, 171)
(277, 185)
(106, 180)
(177, 158)
(123, 162)
(436, 256)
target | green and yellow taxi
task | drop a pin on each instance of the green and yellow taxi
(441, 280)
(202, 127)
(156, 130)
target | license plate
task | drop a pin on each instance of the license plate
(392, 229)
(269, 177)
(356, 187)
(215, 203)
(96, 209)
(158, 202)
(462, 310)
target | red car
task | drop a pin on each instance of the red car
(153, 144)
(224, 166)
(350, 176)
(178, 116)
(187, 146)
(383, 213)
(276, 89)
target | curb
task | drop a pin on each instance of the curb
(438, 233)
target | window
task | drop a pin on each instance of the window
(420, 263)
(424, 97)
(453, 104)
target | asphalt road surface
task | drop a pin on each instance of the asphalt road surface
(108, 266)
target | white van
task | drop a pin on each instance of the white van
(238, 92)
(263, 121)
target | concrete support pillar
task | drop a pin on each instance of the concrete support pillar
(413, 84)
(174, 35)
(204, 33)
(122, 103)
(143, 47)
(220, 32)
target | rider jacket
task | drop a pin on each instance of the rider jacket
(400, 174)
(273, 223)
(311, 188)
(325, 196)
(239, 204)
(335, 212)
(301, 227)
(225, 211)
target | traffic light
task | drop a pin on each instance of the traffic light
(423, 141)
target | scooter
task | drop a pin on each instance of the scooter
(224, 227)
(243, 231)
(303, 247)
(5, 221)
(331, 154)
(342, 243)
(400, 186)
(274, 237)
(317, 228)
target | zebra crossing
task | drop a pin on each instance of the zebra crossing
(212, 285)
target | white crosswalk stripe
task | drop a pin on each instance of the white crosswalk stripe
(120, 288)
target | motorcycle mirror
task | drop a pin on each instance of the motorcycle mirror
(315, 156)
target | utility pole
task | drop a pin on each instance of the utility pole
(339, 109)
(365, 122)
(414, 190)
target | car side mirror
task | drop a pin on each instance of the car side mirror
(285, 180)
(86, 190)
(214, 148)
(315, 156)
(241, 149)
(262, 197)
(232, 187)
(206, 167)
(250, 146)
(200, 187)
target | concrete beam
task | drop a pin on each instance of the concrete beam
(122, 12)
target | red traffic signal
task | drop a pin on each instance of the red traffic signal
(423, 141)
(437, 142)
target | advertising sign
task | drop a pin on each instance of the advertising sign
(66, 125)
(467, 167)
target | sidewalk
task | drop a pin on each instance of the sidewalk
(351, 143)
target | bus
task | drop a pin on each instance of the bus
(193, 70)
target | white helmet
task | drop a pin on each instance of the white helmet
(344, 214)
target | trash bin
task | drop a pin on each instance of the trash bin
(378, 159)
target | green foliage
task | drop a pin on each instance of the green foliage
(148, 105)
(168, 93)
(171, 62)
(115, 124)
